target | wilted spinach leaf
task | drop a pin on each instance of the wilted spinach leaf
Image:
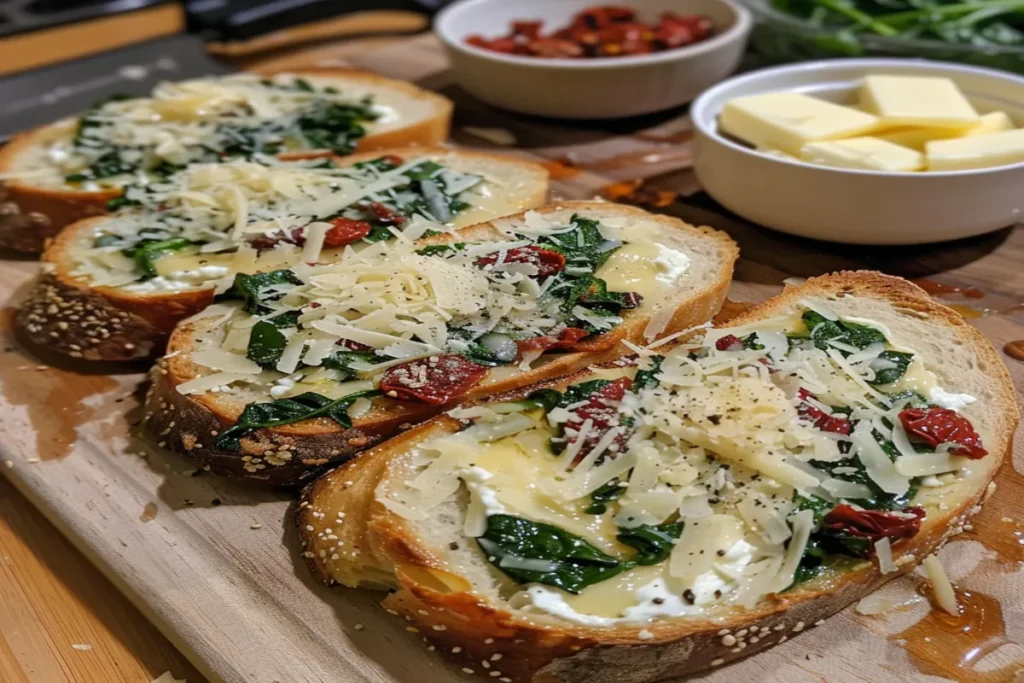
(252, 289)
(653, 543)
(285, 411)
(572, 563)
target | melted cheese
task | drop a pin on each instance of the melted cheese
(183, 122)
(223, 205)
(649, 268)
(719, 423)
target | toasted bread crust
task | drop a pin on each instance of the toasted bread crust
(81, 324)
(159, 311)
(30, 215)
(274, 457)
(471, 630)
(389, 416)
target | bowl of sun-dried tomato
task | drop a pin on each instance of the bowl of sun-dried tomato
(574, 59)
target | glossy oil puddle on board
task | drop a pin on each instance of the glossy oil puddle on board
(55, 399)
(942, 644)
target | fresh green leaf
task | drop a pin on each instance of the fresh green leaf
(572, 563)
(286, 411)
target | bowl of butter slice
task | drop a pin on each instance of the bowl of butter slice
(866, 151)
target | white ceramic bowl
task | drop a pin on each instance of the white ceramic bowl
(859, 207)
(604, 87)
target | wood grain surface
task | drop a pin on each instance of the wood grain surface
(60, 620)
(213, 563)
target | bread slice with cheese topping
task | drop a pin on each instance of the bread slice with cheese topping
(113, 287)
(663, 515)
(57, 174)
(316, 364)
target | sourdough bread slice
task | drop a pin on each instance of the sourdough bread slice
(395, 519)
(93, 302)
(192, 121)
(681, 272)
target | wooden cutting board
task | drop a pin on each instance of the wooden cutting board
(214, 564)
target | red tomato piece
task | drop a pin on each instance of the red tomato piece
(435, 380)
(393, 159)
(527, 29)
(348, 344)
(942, 425)
(602, 409)
(600, 17)
(548, 262)
(874, 524)
(554, 48)
(345, 231)
(383, 213)
(567, 339)
(600, 31)
(729, 342)
(837, 424)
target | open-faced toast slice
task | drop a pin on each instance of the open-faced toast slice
(391, 335)
(689, 509)
(62, 172)
(114, 286)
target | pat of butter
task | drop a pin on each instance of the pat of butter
(917, 138)
(788, 121)
(868, 154)
(917, 101)
(777, 153)
(993, 122)
(976, 151)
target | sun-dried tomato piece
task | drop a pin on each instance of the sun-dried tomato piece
(837, 424)
(557, 48)
(548, 262)
(600, 17)
(942, 425)
(435, 380)
(383, 213)
(676, 31)
(729, 342)
(600, 31)
(392, 159)
(295, 236)
(345, 231)
(350, 345)
(602, 409)
(567, 339)
(527, 29)
(874, 524)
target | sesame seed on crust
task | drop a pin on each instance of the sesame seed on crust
(82, 324)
